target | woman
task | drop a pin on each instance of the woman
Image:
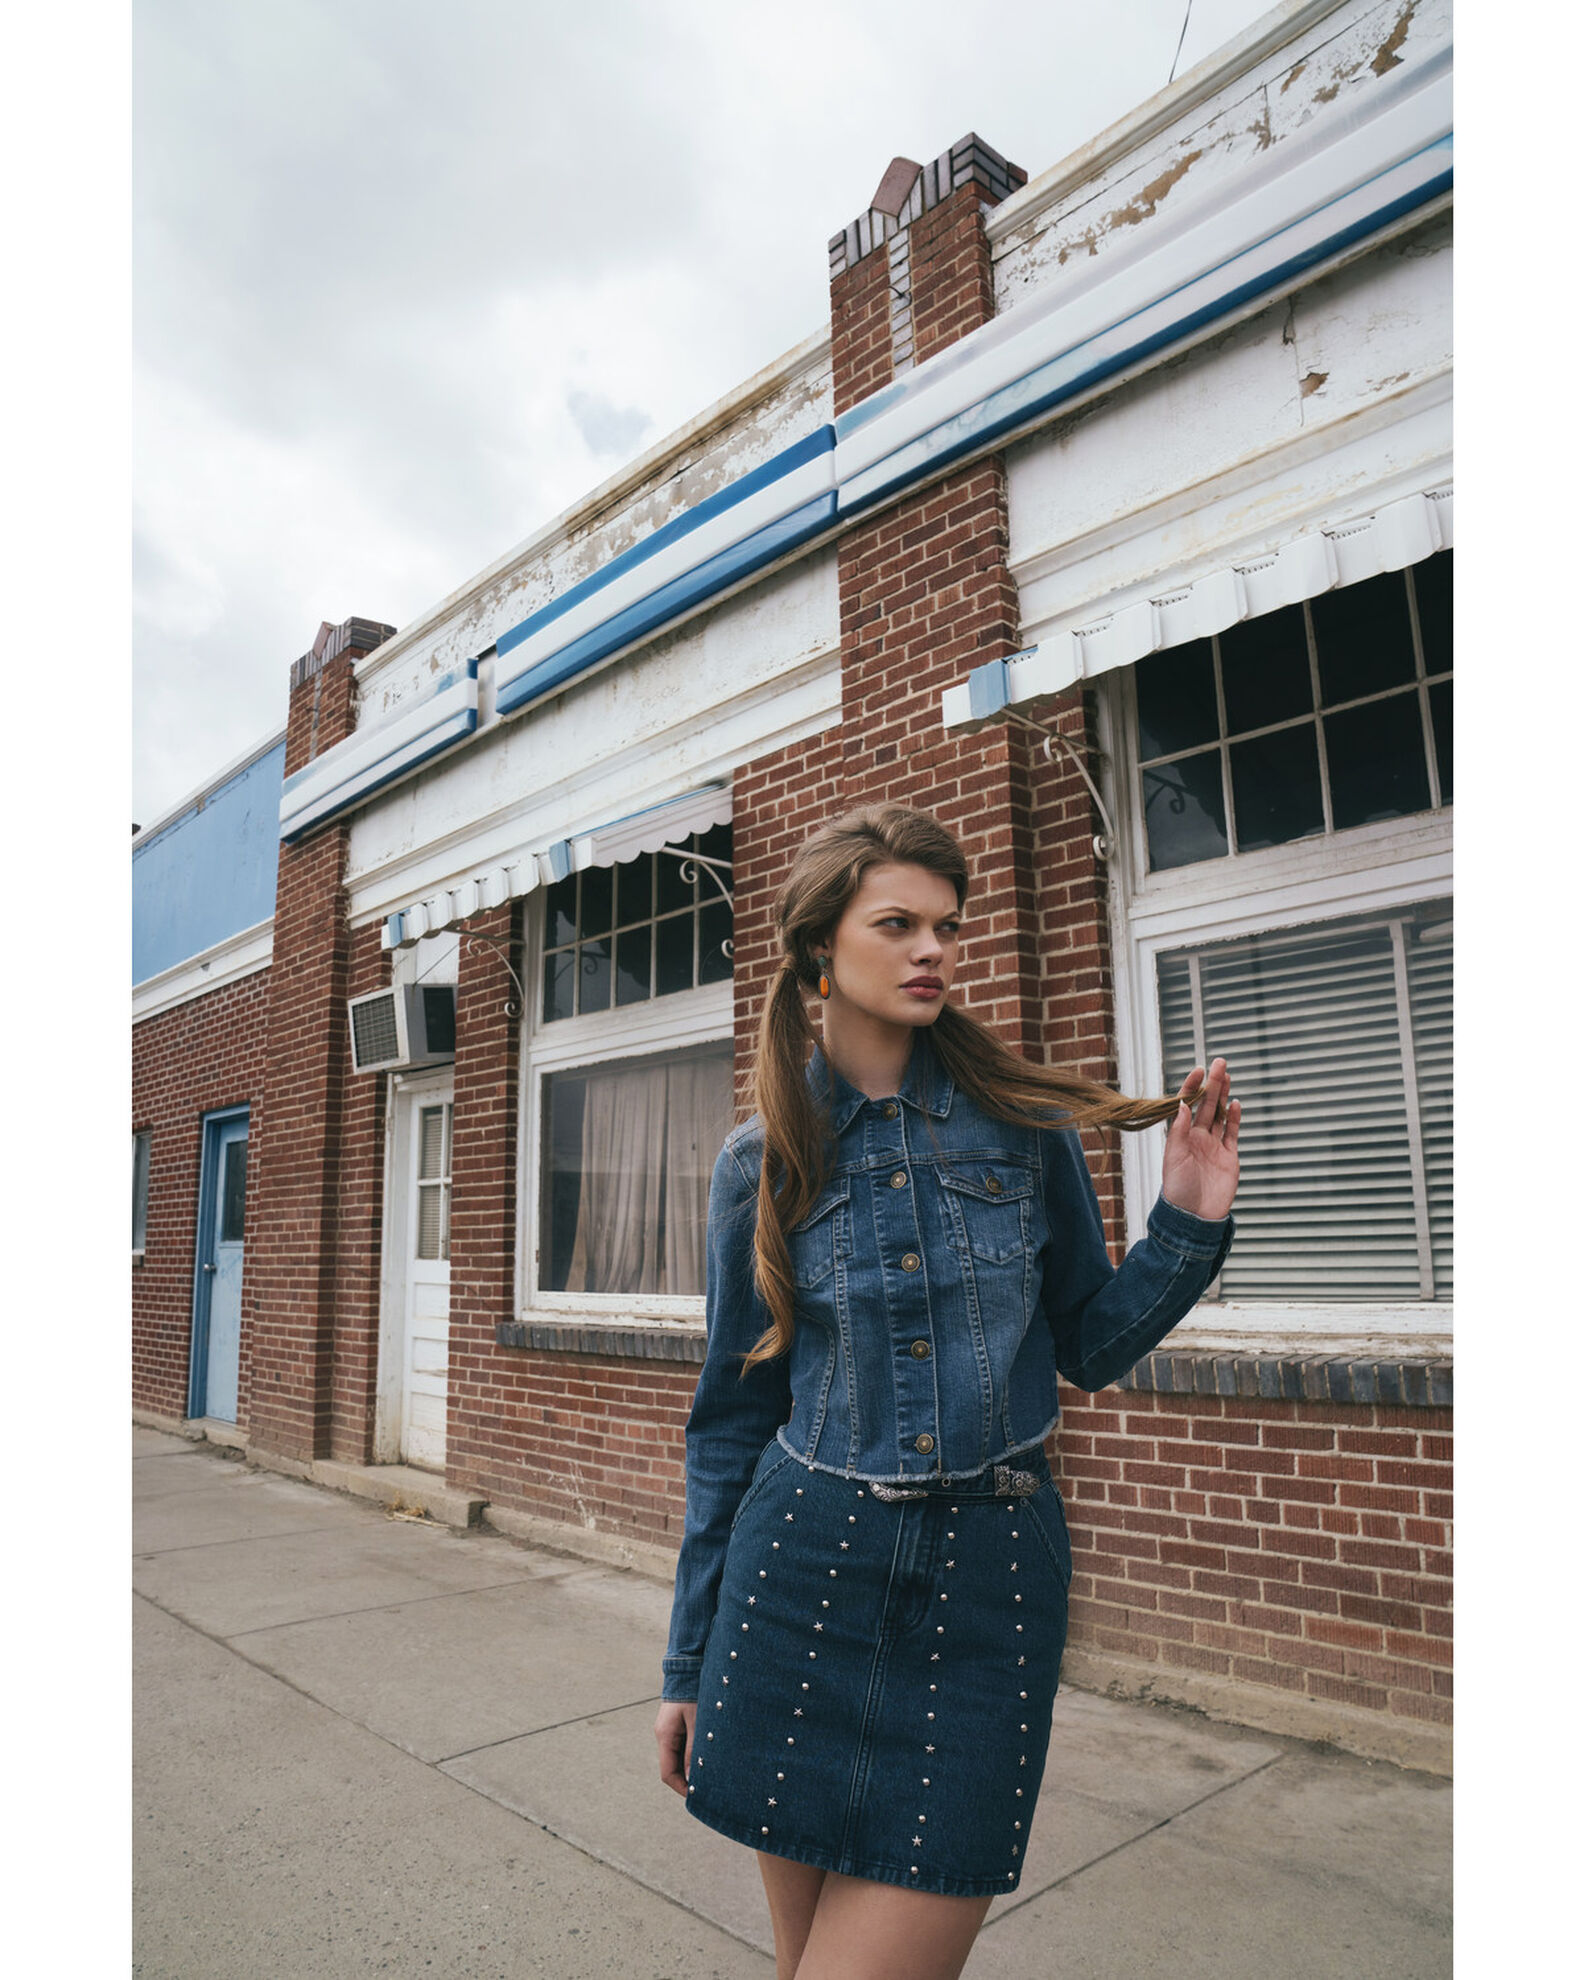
(904, 1248)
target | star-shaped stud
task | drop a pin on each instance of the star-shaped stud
(751, 1600)
(844, 1546)
(918, 1842)
(819, 1626)
(929, 1749)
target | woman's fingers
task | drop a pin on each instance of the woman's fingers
(671, 1736)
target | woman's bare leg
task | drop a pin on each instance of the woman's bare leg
(793, 1890)
(868, 1931)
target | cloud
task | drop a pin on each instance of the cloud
(409, 280)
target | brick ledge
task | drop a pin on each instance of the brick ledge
(575, 1337)
(1294, 1378)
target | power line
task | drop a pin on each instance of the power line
(1180, 39)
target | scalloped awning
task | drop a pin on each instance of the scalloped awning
(609, 844)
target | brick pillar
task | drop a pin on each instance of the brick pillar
(925, 588)
(290, 1275)
(483, 1188)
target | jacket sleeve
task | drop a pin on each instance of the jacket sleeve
(732, 1419)
(1103, 1317)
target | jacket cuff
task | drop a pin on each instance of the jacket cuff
(680, 1679)
(1205, 1239)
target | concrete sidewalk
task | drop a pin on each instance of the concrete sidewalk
(365, 1744)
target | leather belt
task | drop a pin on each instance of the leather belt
(1010, 1483)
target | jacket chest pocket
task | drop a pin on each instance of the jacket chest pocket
(986, 1211)
(823, 1238)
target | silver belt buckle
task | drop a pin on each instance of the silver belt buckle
(891, 1493)
(1012, 1484)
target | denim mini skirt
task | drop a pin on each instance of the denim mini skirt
(877, 1683)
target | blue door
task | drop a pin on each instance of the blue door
(217, 1295)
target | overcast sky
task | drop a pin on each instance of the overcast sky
(408, 279)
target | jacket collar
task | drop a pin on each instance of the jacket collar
(926, 1085)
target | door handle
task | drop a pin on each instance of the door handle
(211, 1268)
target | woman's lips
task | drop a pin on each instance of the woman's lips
(924, 987)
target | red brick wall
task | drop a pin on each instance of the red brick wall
(290, 1289)
(187, 1062)
(1300, 1546)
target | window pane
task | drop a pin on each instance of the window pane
(1441, 724)
(715, 927)
(674, 955)
(595, 910)
(1276, 788)
(632, 965)
(634, 889)
(431, 1144)
(1376, 758)
(233, 1193)
(561, 912)
(671, 890)
(594, 974)
(1176, 700)
(1310, 1022)
(1363, 637)
(140, 1188)
(1432, 582)
(432, 1220)
(1185, 811)
(560, 971)
(629, 1150)
(1265, 671)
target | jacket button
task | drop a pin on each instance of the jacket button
(899, 1180)
(910, 1261)
(924, 1444)
(993, 1184)
(920, 1350)
(889, 1110)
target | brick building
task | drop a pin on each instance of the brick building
(1110, 520)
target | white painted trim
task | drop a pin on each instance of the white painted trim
(371, 757)
(1279, 28)
(1359, 1331)
(803, 702)
(675, 560)
(584, 512)
(210, 784)
(237, 956)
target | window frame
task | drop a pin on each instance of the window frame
(1393, 863)
(704, 1015)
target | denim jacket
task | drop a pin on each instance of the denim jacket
(951, 1268)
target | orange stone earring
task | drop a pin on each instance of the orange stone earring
(824, 980)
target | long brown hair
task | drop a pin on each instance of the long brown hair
(798, 1144)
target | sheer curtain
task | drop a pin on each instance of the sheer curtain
(650, 1137)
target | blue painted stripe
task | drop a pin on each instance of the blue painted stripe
(1049, 385)
(670, 601)
(989, 689)
(797, 455)
(468, 671)
(400, 764)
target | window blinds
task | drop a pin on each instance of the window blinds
(1338, 1035)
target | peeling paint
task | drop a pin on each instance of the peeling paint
(1328, 94)
(1312, 382)
(1152, 195)
(1386, 56)
(1293, 74)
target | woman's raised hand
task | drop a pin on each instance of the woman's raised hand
(674, 1737)
(1199, 1171)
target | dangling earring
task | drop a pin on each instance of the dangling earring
(824, 981)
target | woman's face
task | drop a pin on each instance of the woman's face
(894, 951)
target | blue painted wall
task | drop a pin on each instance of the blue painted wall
(210, 872)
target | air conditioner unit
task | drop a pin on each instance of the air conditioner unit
(411, 1024)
